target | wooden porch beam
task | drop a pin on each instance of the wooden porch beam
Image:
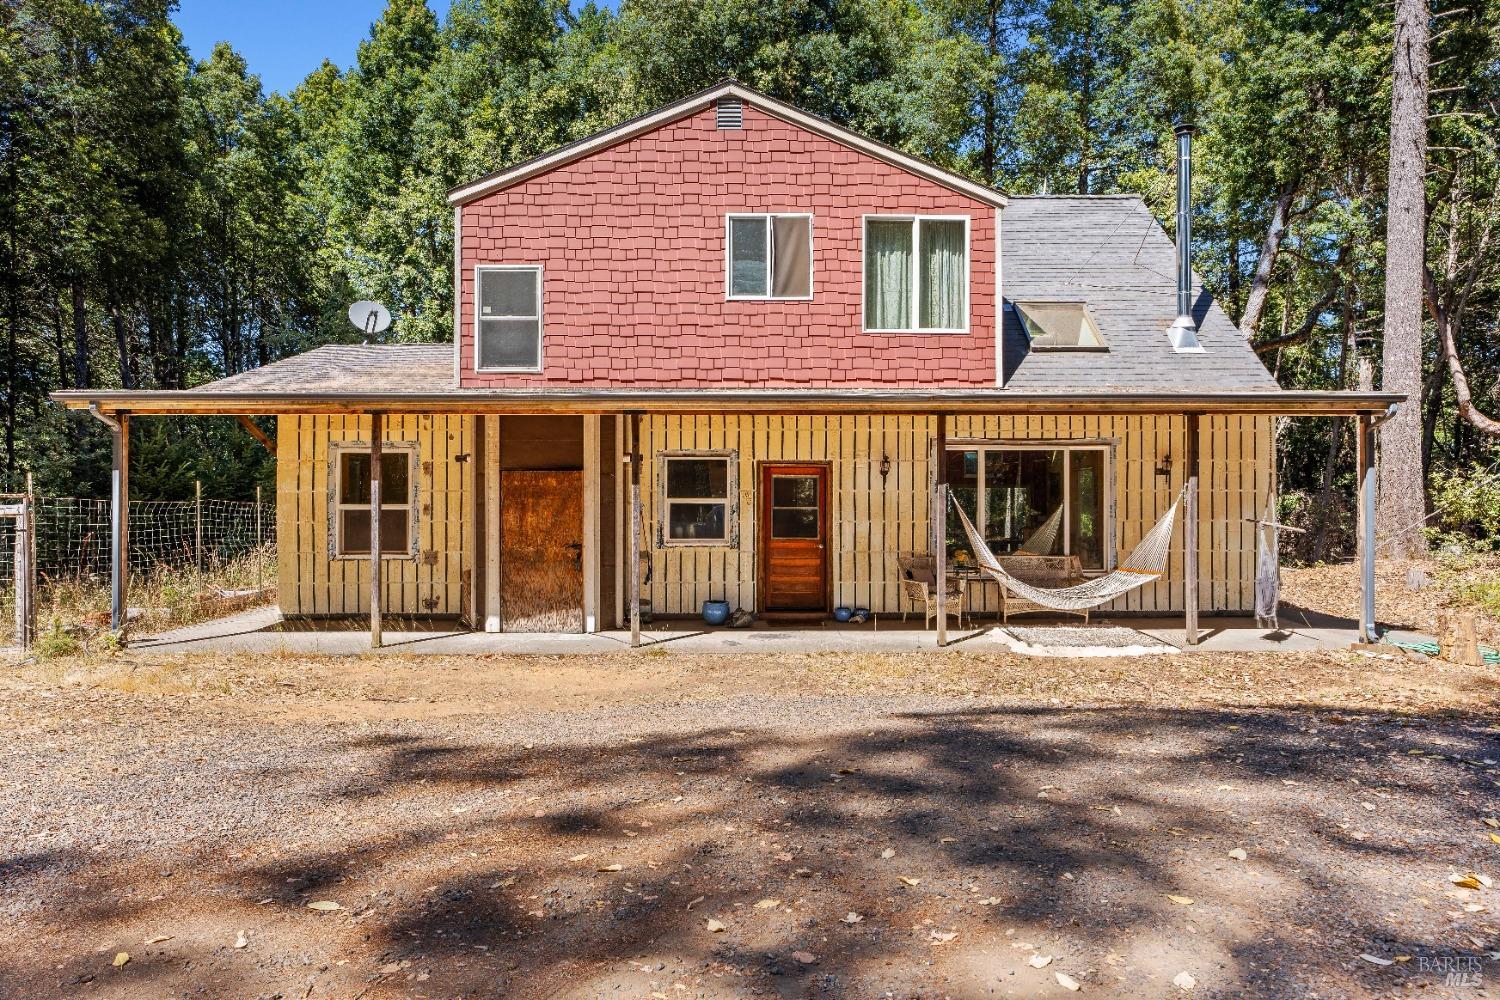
(377, 432)
(633, 555)
(1190, 533)
(1365, 452)
(940, 529)
(255, 432)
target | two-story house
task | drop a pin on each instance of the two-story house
(778, 343)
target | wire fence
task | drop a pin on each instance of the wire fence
(72, 536)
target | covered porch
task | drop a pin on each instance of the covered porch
(882, 462)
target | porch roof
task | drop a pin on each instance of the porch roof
(418, 378)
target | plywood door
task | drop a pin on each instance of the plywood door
(541, 551)
(794, 537)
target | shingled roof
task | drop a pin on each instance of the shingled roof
(373, 368)
(1110, 253)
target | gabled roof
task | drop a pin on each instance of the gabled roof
(694, 103)
(1110, 253)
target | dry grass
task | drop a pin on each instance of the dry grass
(1455, 585)
(73, 612)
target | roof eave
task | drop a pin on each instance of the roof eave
(780, 400)
(466, 193)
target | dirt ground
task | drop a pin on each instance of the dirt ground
(659, 825)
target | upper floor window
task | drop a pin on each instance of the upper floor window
(769, 256)
(508, 320)
(916, 274)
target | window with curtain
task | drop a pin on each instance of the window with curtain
(352, 496)
(1044, 500)
(770, 256)
(508, 322)
(916, 274)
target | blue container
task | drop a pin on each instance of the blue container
(841, 614)
(715, 612)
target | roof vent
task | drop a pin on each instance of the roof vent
(1183, 333)
(730, 112)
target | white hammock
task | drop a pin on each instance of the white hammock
(1146, 562)
(1041, 542)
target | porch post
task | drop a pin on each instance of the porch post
(377, 431)
(119, 536)
(1190, 534)
(1365, 448)
(633, 555)
(940, 530)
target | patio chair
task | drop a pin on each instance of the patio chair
(918, 586)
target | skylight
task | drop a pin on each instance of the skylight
(1059, 326)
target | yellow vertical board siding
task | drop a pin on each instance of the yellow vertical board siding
(873, 521)
(311, 581)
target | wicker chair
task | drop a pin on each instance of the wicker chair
(918, 586)
(1040, 571)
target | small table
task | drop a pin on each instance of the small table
(965, 577)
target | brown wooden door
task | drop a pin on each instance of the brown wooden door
(794, 538)
(541, 551)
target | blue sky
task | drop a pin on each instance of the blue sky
(284, 40)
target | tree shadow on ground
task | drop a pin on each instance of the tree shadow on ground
(921, 854)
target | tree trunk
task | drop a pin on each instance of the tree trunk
(80, 338)
(1402, 505)
(122, 340)
(1260, 285)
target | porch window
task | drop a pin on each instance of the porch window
(352, 496)
(916, 275)
(769, 256)
(696, 489)
(508, 321)
(1036, 500)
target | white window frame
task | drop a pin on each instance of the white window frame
(730, 500)
(336, 506)
(729, 218)
(541, 339)
(916, 271)
(1067, 447)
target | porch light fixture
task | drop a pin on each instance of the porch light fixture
(885, 469)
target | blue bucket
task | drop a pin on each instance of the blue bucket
(841, 614)
(715, 612)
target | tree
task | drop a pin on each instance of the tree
(1402, 505)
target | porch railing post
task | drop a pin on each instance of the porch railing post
(377, 432)
(940, 530)
(1190, 534)
(633, 456)
(1365, 446)
(119, 536)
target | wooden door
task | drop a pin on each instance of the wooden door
(541, 551)
(794, 538)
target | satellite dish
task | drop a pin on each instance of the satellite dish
(371, 317)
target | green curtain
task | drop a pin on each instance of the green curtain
(942, 304)
(888, 276)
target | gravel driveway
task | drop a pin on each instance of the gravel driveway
(636, 827)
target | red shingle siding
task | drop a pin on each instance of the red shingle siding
(631, 240)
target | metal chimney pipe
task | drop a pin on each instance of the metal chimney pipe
(1184, 132)
(1184, 331)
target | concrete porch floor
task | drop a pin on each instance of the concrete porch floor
(262, 630)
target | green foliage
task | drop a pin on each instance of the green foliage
(1467, 507)
(164, 223)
